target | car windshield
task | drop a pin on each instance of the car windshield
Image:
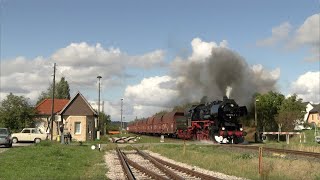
(3, 131)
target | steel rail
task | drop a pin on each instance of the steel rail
(125, 165)
(288, 151)
(295, 152)
(183, 169)
(163, 168)
(141, 168)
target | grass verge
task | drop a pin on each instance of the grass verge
(50, 160)
(240, 163)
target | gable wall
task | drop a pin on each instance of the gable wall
(87, 127)
(314, 118)
(78, 107)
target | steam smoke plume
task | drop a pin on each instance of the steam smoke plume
(224, 70)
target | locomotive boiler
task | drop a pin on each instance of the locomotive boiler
(217, 121)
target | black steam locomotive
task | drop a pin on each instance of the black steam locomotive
(217, 120)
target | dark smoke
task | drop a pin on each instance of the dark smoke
(211, 77)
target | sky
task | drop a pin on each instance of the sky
(147, 51)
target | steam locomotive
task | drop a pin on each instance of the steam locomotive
(217, 121)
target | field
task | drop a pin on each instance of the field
(51, 160)
(241, 163)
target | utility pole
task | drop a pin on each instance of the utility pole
(52, 109)
(98, 132)
(121, 114)
(255, 112)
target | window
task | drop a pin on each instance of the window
(77, 126)
(26, 131)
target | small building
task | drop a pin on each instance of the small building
(76, 115)
(79, 118)
(301, 124)
(314, 116)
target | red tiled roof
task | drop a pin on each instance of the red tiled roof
(45, 107)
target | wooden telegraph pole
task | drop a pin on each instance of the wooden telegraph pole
(52, 109)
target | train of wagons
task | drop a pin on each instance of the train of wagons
(217, 121)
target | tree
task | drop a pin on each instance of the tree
(16, 112)
(291, 112)
(105, 121)
(62, 91)
(267, 108)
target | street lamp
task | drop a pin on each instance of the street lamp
(255, 112)
(124, 120)
(98, 122)
(121, 113)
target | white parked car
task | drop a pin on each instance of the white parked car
(29, 134)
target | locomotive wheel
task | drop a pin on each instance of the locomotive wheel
(217, 138)
(238, 140)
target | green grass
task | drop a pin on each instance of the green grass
(49, 160)
(294, 142)
(240, 163)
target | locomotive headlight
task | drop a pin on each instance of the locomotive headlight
(223, 128)
(241, 129)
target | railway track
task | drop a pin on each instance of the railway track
(139, 165)
(286, 151)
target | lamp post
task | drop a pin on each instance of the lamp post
(255, 112)
(124, 120)
(121, 114)
(98, 122)
(257, 134)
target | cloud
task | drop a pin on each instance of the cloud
(192, 78)
(212, 68)
(308, 32)
(307, 87)
(151, 92)
(201, 49)
(279, 33)
(80, 63)
(307, 35)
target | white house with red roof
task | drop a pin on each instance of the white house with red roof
(44, 111)
(77, 116)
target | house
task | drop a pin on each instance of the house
(300, 124)
(44, 111)
(77, 116)
(314, 116)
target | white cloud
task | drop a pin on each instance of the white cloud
(307, 87)
(307, 35)
(264, 74)
(150, 92)
(279, 33)
(80, 63)
(308, 32)
(202, 50)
